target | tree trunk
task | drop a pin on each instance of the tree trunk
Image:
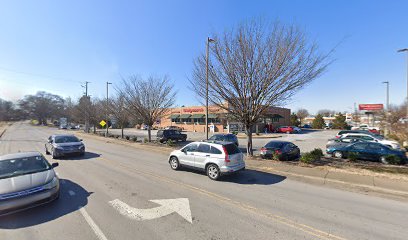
(94, 129)
(249, 140)
(149, 133)
(122, 130)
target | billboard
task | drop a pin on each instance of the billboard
(371, 107)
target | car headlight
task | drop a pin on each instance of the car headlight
(52, 184)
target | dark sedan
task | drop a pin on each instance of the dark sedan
(366, 151)
(62, 145)
(283, 150)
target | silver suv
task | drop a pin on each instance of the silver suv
(215, 158)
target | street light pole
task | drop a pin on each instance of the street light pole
(406, 50)
(387, 113)
(107, 109)
(206, 87)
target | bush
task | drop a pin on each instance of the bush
(235, 132)
(134, 139)
(275, 156)
(352, 156)
(307, 158)
(170, 143)
(393, 159)
(127, 137)
(145, 140)
(317, 153)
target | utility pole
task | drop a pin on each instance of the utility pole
(107, 109)
(86, 109)
(206, 87)
(406, 50)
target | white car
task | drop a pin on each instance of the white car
(372, 138)
(215, 158)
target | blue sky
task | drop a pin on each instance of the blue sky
(55, 45)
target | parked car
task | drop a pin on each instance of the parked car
(283, 150)
(62, 145)
(165, 135)
(215, 158)
(26, 180)
(343, 141)
(371, 151)
(173, 128)
(296, 129)
(339, 134)
(284, 129)
(229, 137)
(307, 126)
(63, 126)
(372, 138)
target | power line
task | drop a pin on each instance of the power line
(38, 75)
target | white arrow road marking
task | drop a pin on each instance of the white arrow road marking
(179, 205)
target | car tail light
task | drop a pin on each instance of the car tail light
(226, 154)
(263, 149)
(337, 136)
(278, 151)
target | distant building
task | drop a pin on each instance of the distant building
(193, 119)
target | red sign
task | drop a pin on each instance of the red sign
(371, 107)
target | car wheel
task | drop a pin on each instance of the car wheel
(174, 163)
(213, 172)
(46, 151)
(53, 155)
(338, 154)
(383, 160)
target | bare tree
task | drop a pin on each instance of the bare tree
(148, 99)
(117, 107)
(302, 114)
(255, 66)
(326, 112)
(93, 110)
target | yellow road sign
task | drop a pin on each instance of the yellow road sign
(102, 123)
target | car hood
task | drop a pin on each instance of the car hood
(73, 144)
(23, 182)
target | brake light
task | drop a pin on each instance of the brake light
(226, 154)
(263, 149)
(337, 136)
(278, 151)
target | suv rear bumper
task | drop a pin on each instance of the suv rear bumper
(231, 169)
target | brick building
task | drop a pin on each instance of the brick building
(193, 119)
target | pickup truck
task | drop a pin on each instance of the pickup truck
(174, 135)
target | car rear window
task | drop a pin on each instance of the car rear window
(232, 149)
(274, 144)
(66, 139)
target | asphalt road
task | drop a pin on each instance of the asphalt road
(106, 195)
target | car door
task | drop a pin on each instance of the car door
(203, 152)
(189, 151)
(376, 151)
(361, 149)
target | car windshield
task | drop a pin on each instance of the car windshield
(22, 166)
(66, 139)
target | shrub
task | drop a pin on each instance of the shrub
(352, 156)
(145, 140)
(275, 156)
(127, 137)
(307, 158)
(134, 139)
(393, 159)
(317, 153)
(170, 143)
(235, 132)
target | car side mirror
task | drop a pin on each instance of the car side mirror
(54, 165)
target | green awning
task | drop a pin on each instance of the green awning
(276, 116)
(174, 116)
(185, 116)
(197, 116)
(212, 116)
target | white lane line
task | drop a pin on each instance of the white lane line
(99, 234)
(71, 193)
